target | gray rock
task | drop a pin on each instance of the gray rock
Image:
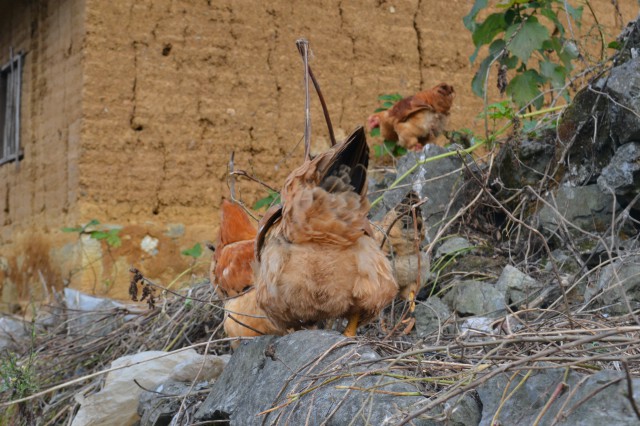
(117, 402)
(622, 175)
(618, 281)
(205, 368)
(586, 207)
(437, 180)
(13, 333)
(267, 371)
(623, 86)
(585, 126)
(475, 298)
(519, 288)
(431, 315)
(476, 325)
(608, 406)
(160, 407)
(565, 261)
(453, 246)
(525, 163)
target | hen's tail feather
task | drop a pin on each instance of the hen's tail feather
(352, 159)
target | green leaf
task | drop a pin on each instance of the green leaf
(527, 37)
(390, 97)
(98, 235)
(510, 61)
(76, 229)
(113, 239)
(380, 109)
(375, 132)
(272, 198)
(470, 20)
(477, 84)
(614, 45)
(491, 27)
(523, 88)
(378, 151)
(554, 72)
(92, 222)
(387, 104)
(399, 151)
(510, 3)
(550, 14)
(575, 13)
(195, 251)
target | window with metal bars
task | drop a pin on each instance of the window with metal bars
(10, 86)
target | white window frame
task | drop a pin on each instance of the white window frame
(11, 73)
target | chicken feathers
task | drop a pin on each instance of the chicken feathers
(317, 260)
(231, 273)
(416, 120)
(400, 233)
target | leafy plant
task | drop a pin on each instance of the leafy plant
(388, 147)
(269, 200)
(17, 379)
(518, 39)
(195, 251)
(111, 236)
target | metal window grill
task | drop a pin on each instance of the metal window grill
(10, 88)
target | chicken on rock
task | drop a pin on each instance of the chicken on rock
(231, 274)
(400, 233)
(317, 258)
(416, 120)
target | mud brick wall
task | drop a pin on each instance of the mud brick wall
(131, 109)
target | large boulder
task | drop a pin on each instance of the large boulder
(618, 287)
(600, 399)
(623, 101)
(436, 181)
(586, 207)
(622, 174)
(309, 377)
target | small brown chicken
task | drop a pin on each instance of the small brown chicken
(416, 120)
(232, 275)
(317, 260)
(400, 236)
(231, 271)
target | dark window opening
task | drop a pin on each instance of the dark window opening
(10, 88)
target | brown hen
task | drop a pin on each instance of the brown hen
(231, 271)
(416, 120)
(231, 274)
(317, 260)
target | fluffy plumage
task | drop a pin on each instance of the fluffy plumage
(231, 274)
(400, 236)
(317, 258)
(230, 270)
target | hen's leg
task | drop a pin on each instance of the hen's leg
(352, 325)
